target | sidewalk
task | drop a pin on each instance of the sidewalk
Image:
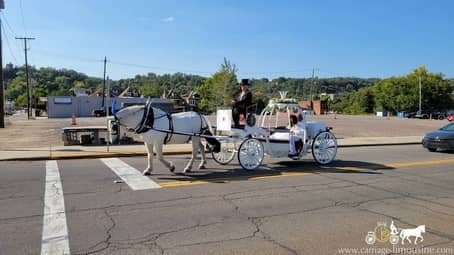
(74, 152)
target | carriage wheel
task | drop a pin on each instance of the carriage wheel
(251, 154)
(324, 148)
(226, 155)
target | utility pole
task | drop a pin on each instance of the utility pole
(107, 114)
(104, 84)
(420, 112)
(26, 72)
(313, 84)
(2, 96)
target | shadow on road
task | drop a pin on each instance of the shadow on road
(232, 172)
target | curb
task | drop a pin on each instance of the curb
(181, 152)
(377, 144)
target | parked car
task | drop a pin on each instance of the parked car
(418, 115)
(438, 115)
(441, 139)
(427, 115)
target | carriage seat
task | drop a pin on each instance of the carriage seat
(280, 135)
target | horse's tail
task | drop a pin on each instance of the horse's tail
(213, 142)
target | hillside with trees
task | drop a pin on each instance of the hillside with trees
(400, 94)
(353, 95)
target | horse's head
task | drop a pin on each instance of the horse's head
(422, 228)
(130, 116)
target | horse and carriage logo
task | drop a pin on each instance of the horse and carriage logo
(382, 233)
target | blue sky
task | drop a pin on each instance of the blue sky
(364, 38)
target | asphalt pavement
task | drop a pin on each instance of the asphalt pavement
(104, 206)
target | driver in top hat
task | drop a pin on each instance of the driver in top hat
(241, 101)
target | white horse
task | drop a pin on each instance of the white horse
(186, 122)
(416, 232)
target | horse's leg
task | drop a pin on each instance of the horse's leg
(149, 169)
(161, 158)
(195, 145)
(203, 156)
(418, 236)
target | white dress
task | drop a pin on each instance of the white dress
(299, 133)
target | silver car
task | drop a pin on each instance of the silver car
(442, 139)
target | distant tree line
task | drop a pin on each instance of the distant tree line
(353, 95)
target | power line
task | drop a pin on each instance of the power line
(11, 31)
(159, 68)
(9, 46)
(92, 60)
(7, 24)
(65, 56)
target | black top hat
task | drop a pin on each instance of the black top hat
(244, 82)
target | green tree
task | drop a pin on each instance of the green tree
(219, 89)
(151, 89)
(402, 93)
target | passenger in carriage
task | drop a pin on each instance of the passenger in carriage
(297, 134)
(241, 102)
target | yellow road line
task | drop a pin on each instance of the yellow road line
(420, 163)
(236, 178)
(308, 172)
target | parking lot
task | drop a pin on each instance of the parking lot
(45, 132)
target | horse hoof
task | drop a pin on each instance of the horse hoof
(202, 167)
(172, 168)
(146, 172)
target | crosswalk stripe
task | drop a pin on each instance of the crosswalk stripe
(55, 230)
(130, 175)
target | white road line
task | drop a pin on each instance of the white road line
(55, 230)
(132, 177)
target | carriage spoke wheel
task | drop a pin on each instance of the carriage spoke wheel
(324, 148)
(226, 155)
(251, 154)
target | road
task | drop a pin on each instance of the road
(287, 207)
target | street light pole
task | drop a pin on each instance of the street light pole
(420, 95)
(104, 84)
(312, 85)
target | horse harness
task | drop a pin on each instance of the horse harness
(148, 119)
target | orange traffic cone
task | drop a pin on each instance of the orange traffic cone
(73, 120)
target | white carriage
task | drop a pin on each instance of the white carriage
(251, 143)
